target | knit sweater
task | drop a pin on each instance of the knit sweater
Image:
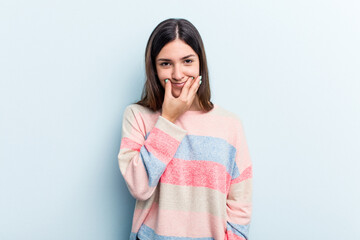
(192, 179)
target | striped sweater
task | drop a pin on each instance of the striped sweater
(192, 179)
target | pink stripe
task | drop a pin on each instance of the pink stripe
(130, 144)
(197, 173)
(138, 218)
(237, 212)
(247, 173)
(190, 224)
(161, 145)
(232, 236)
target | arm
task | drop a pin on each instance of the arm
(239, 199)
(143, 159)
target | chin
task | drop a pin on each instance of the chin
(176, 93)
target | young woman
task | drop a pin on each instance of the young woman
(184, 159)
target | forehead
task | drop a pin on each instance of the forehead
(175, 50)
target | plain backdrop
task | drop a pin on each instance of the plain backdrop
(68, 69)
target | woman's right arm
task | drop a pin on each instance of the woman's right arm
(142, 160)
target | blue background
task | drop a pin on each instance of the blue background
(68, 69)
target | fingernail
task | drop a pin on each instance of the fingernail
(200, 82)
(166, 80)
(200, 78)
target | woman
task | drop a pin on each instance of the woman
(183, 158)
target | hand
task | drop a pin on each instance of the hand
(172, 107)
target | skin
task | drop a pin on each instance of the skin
(171, 65)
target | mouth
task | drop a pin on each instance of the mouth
(178, 85)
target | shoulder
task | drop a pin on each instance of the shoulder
(231, 121)
(230, 115)
(136, 109)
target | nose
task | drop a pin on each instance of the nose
(177, 73)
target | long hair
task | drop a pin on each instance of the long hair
(168, 30)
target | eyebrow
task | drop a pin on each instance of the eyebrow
(165, 59)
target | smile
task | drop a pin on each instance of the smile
(178, 85)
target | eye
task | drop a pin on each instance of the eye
(188, 60)
(163, 64)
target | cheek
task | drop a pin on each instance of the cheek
(195, 69)
(193, 72)
(161, 77)
(162, 74)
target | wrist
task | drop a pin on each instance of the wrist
(168, 118)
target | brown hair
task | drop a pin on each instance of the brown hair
(168, 30)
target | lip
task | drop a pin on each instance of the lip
(178, 85)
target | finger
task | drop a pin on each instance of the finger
(186, 87)
(194, 87)
(168, 88)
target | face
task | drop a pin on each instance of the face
(177, 61)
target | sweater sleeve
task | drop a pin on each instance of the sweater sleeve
(239, 198)
(144, 157)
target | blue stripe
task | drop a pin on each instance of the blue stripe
(240, 230)
(147, 233)
(207, 148)
(211, 149)
(132, 236)
(153, 166)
